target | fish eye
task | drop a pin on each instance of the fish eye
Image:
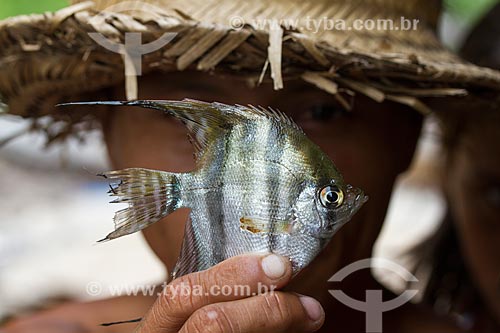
(331, 196)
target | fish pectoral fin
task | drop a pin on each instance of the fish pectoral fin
(256, 225)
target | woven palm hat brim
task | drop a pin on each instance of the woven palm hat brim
(50, 58)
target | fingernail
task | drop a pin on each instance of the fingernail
(273, 266)
(312, 307)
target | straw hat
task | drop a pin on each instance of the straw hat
(56, 57)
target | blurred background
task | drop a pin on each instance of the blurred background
(53, 208)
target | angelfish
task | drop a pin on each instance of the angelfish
(260, 185)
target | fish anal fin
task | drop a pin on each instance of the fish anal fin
(189, 257)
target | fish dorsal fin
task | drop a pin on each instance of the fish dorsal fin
(273, 114)
(206, 122)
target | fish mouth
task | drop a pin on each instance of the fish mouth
(355, 198)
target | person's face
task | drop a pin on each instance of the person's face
(473, 190)
(370, 145)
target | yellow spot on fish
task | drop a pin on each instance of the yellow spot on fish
(249, 225)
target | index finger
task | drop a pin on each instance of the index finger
(236, 278)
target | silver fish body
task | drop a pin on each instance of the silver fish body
(260, 186)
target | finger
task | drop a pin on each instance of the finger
(272, 312)
(236, 278)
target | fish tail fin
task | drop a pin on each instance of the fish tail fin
(150, 195)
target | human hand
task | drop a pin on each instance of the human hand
(228, 298)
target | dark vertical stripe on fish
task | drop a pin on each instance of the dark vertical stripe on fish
(275, 198)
